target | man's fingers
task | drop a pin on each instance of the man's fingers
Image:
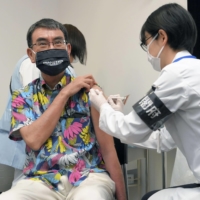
(90, 77)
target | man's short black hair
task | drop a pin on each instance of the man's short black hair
(176, 22)
(45, 23)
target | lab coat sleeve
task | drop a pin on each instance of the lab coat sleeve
(16, 80)
(28, 72)
(171, 89)
(160, 140)
(125, 127)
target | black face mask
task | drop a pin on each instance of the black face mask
(52, 62)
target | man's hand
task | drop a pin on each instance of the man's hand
(86, 82)
(97, 99)
(117, 105)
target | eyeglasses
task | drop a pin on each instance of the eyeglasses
(43, 45)
(143, 45)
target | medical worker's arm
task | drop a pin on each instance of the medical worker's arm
(110, 158)
(160, 140)
(169, 95)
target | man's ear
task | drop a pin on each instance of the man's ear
(163, 37)
(69, 48)
(31, 55)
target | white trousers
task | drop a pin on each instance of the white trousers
(18, 175)
(97, 186)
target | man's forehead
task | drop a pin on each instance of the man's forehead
(46, 33)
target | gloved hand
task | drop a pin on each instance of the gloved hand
(117, 105)
(97, 99)
(66, 160)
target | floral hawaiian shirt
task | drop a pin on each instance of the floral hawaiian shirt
(72, 148)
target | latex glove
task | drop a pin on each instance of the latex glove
(97, 99)
(66, 160)
(117, 105)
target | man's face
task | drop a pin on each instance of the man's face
(44, 39)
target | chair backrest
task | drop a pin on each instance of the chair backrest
(122, 151)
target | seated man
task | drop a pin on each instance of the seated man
(68, 156)
(25, 72)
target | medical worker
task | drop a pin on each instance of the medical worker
(168, 36)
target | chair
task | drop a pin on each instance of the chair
(122, 153)
(6, 177)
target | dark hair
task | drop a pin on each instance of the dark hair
(176, 22)
(45, 23)
(78, 43)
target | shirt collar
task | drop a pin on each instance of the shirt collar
(66, 79)
(181, 54)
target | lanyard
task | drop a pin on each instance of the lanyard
(183, 58)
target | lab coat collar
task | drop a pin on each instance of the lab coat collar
(181, 54)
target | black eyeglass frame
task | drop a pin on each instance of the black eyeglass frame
(63, 40)
(144, 46)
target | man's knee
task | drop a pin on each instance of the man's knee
(9, 195)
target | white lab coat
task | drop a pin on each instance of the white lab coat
(178, 87)
(162, 141)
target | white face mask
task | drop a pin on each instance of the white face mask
(155, 61)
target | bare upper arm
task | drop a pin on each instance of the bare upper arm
(105, 141)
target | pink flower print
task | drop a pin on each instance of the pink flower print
(29, 167)
(19, 117)
(17, 102)
(74, 176)
(36, 103)
(72, 104)
(28, 149)
(44, 167)
(80, 165)
(99, 154)
(42, 82)
(91, 139)
(73, 130)
(55, 159)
